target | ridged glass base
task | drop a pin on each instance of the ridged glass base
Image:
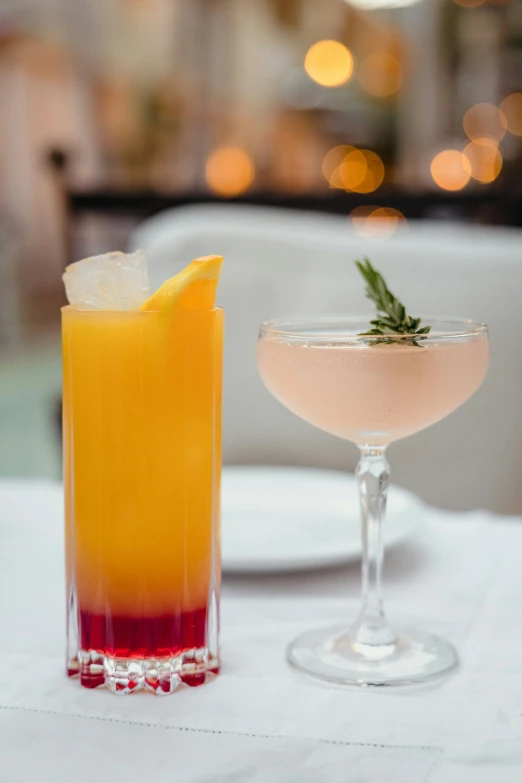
(158, 675)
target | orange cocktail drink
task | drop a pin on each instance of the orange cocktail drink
(142, 434)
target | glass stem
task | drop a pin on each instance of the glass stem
(371, 630)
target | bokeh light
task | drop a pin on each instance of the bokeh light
(373, 173)
(511, 108)
(484, 121)
(373, 222)
(331, 162)
(485, 159)
(380, 75)
(353, 170)
(359, 217)
(229, 171)
(451, 170)
(329, 63)
(348, 168)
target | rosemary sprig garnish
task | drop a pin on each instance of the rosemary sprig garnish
(392, 319)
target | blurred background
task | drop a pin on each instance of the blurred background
(385, 113)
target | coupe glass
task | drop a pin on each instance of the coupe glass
(371, 392)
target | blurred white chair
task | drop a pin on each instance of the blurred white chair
(282, 263)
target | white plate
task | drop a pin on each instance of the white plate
(292, 519)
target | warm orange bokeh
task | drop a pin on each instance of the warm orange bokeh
(331, 162)
(353, 170)
(229, 171)
(380, 75)
(373, 222)
(484, 121)
(329, 63)
(511, 108)
(348, 168)
(374, 173)
(485, 159)
(451, 170)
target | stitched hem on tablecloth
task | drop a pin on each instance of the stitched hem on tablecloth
(347, 743)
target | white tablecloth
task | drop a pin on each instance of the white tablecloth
(461, 575)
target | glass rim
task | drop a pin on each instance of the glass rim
(68, 308)
(304, 327)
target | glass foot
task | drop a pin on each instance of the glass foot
(333, 655)
(159, 675)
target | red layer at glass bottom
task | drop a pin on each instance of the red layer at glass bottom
(163, 636)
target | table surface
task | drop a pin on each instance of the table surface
(460, 575)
